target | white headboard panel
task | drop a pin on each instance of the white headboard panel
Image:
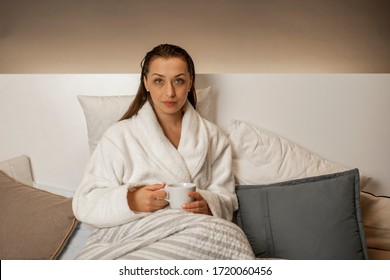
(342, 117)
(41, 117)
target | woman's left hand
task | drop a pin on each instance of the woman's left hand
(198, 206)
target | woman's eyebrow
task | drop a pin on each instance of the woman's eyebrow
(160, 75)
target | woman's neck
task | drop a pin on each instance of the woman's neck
(171, 126)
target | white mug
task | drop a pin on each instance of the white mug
(177, 194)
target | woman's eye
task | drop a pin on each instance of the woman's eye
(158, 81)
(179, 81)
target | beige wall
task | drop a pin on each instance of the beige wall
(96, 36)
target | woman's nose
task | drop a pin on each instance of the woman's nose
(170, 90)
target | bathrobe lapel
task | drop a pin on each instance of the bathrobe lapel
(194, 141)
(184, 163)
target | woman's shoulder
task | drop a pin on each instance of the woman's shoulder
(119, 135)
(119, 129)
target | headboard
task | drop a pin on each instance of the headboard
(342, 117)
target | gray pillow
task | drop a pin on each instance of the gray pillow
(311, 218)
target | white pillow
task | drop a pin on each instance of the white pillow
(261, 157)
(18, 168)
(203, 104)
(101, 112)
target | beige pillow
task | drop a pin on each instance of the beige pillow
(101, 112)
(35, 224)
(376, 220)
(18, 168)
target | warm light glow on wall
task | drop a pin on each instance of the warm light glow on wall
(96, 36)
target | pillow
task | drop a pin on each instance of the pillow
(103, 111)
(203, 104)
(18, 168)
(311, 218)
(261, 157)
(76, 242)
(375, 214)
(34, 224)
(81, 233)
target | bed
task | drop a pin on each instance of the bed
(294, 204)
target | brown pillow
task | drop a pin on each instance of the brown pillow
(35, 224)
(376, 220)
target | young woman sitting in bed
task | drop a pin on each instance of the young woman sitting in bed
(161, 140)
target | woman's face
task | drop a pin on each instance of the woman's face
(168, 82)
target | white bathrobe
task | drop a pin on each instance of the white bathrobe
(135, 152)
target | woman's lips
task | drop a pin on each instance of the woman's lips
(169, 103)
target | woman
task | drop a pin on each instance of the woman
(161, 139)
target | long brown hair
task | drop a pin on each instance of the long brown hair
(166, 51)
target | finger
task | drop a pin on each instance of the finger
(194, 205)
(160, 203)
(195, 195)
(160, 194)
(197, 210)
(199, 206)
(155, 187)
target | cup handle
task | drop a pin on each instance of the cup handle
(167, 192)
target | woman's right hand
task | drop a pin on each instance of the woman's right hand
(149, 198)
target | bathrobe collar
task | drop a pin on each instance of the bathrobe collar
(185, 162)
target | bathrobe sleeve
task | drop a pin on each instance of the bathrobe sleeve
(101, 198)
(220, 193)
